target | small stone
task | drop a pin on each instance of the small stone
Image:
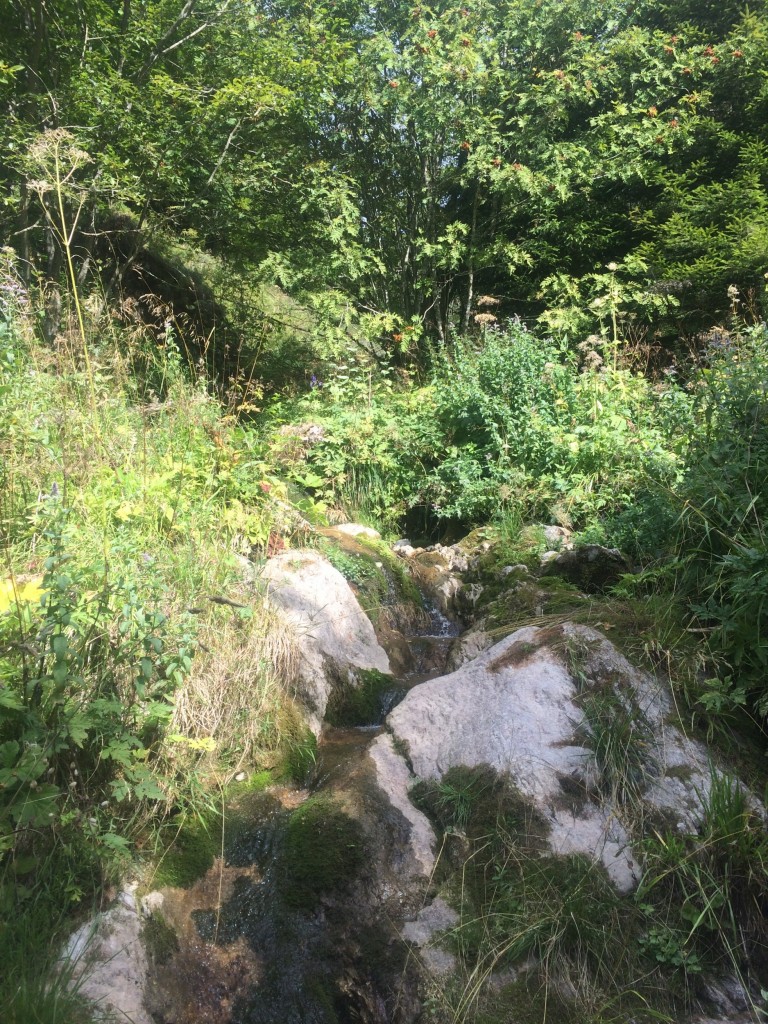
(152, 901)
(509, 569)
(241, 777)
(556, 536)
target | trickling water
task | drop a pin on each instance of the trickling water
(441, 625)
(257, 954)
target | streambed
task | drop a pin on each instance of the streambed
(299, 920)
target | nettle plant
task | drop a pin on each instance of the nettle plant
(86, 681)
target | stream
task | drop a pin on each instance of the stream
(258, 941)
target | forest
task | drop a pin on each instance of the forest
(266, 267)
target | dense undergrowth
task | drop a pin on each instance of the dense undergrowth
(513, 428)
(138, 673)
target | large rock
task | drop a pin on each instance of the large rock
(105, 961)
(590, 567)
(416, 857)
(335, 638)
(468, 646)
(522, 707)
(358, 530)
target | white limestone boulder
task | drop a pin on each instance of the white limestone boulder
(520, 708)
(335, 638)
(106, 962)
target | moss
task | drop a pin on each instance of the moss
(559, 595)
(323, 852)
(255, 783)
(511, 603)
(323, 997)
(378, 577)
(397, 569)
(361, 703)
(679, 771)
(160, 940)
(192, 851)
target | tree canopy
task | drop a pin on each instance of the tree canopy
(394, 163)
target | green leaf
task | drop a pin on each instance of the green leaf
(10, 700)
(59, 646)
(35, 806)
(9, 751)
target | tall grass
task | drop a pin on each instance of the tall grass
(128, 685)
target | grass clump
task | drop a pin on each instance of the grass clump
(709, 888)
(298, 751)
(42, 889)
(620, 739)
(323, 852)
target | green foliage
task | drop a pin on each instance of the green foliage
(39, 888)
(394, 170)
(527, 431)
(87, 682)
(496, 406)
(369, 460)
(720, 535)
(353, 567)
(117, 526)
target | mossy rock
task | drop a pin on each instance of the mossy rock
(515, 603)
(407, 591)
(363, 702)
(323, 852)
(160, 940)
(376, 573)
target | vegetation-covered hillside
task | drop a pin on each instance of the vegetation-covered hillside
(267, 266)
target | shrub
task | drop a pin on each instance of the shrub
(87, 681)
(525, 428)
